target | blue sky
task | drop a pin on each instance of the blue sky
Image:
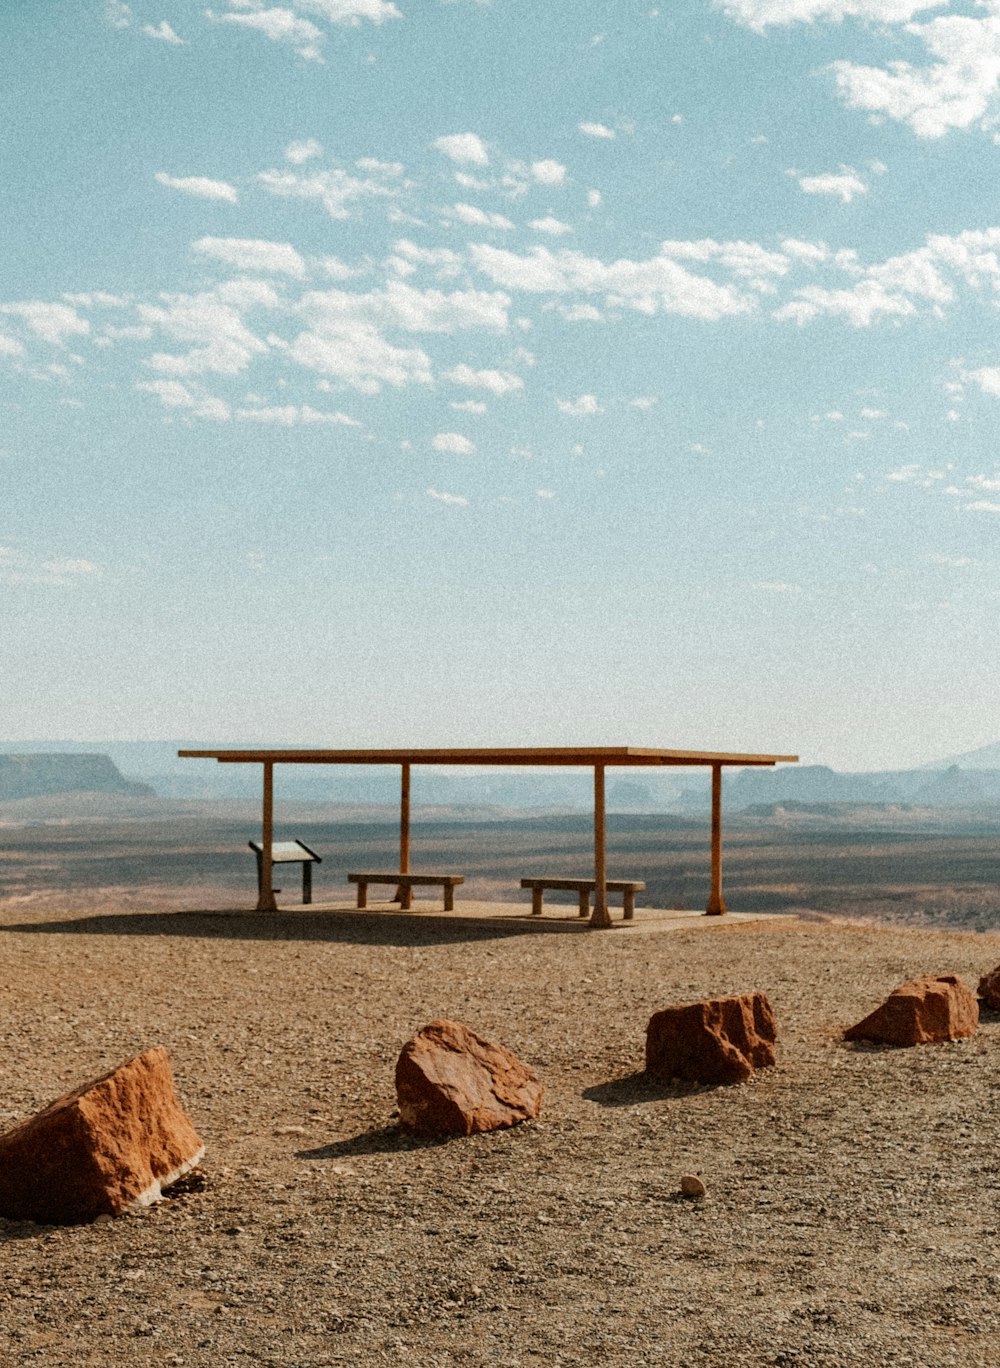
(502, 373)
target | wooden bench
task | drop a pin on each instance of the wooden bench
(584, 887)
(288, 852)
(405, 884)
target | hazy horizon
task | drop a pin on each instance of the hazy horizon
(378, 373)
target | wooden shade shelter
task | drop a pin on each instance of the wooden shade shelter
(599, 758)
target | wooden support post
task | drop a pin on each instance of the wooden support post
(307, 882)
(716, 904)
(265, 895)
(404, 837)
(600, 915)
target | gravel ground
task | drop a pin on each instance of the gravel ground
(851, 1215)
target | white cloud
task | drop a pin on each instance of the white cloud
(544, 494)
(987, 378)
(479, 218)
(456, 500)
(401, 305)
(953, 562)
(982, 506)
(335, 190)
(644, 402)
(355, 352)
(760, 14)
(445, 262)
(173, 394)
(548, 172)
(453, 443)
(347, 13)
(496, 381)
(468, 406)
(117, 14)
(845, 183)
(584, 406)
(955, 91)
(656, 285)
(163, 32)
(50, 321)
(281, 26)
(299, 152)
(213, 323)
(596, 130)
(552, 226)
(200, 186)
(467, 149)
(18, 568)
(9, 346)
(899, 286)
(289, 415)
(253, 254)
(594, 198)
(380, 168)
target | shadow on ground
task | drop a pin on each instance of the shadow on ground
(384, 1140)
(636, 1088)
(361, 928)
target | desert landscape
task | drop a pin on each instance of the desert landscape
(851, 1210)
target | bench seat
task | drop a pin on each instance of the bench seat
(405, 884)
(584, 887)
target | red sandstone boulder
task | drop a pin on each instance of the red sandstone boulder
(113, 1143)
(449, 1081)
(989, 989)
(925, 1009)
(720, 1040)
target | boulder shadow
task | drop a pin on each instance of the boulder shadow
(390, 1139)
(637, 1088)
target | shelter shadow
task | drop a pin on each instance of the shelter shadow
(350, 928)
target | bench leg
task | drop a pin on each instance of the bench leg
(629, 903)
(362, 895)
(307, 883)
(449, 897)
(536, 902)
(406, 901)
(584, 896)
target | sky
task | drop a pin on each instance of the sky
(439, 372)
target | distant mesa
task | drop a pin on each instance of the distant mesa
(41, 776)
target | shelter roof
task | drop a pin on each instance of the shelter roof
(492, 755)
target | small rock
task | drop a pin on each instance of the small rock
(718, 1040)
(449, 1081)
(920, 1011)
(111, 1144)
(989, 989)
(692, 1186)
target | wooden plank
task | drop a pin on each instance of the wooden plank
(394, 877)
(578, 885)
